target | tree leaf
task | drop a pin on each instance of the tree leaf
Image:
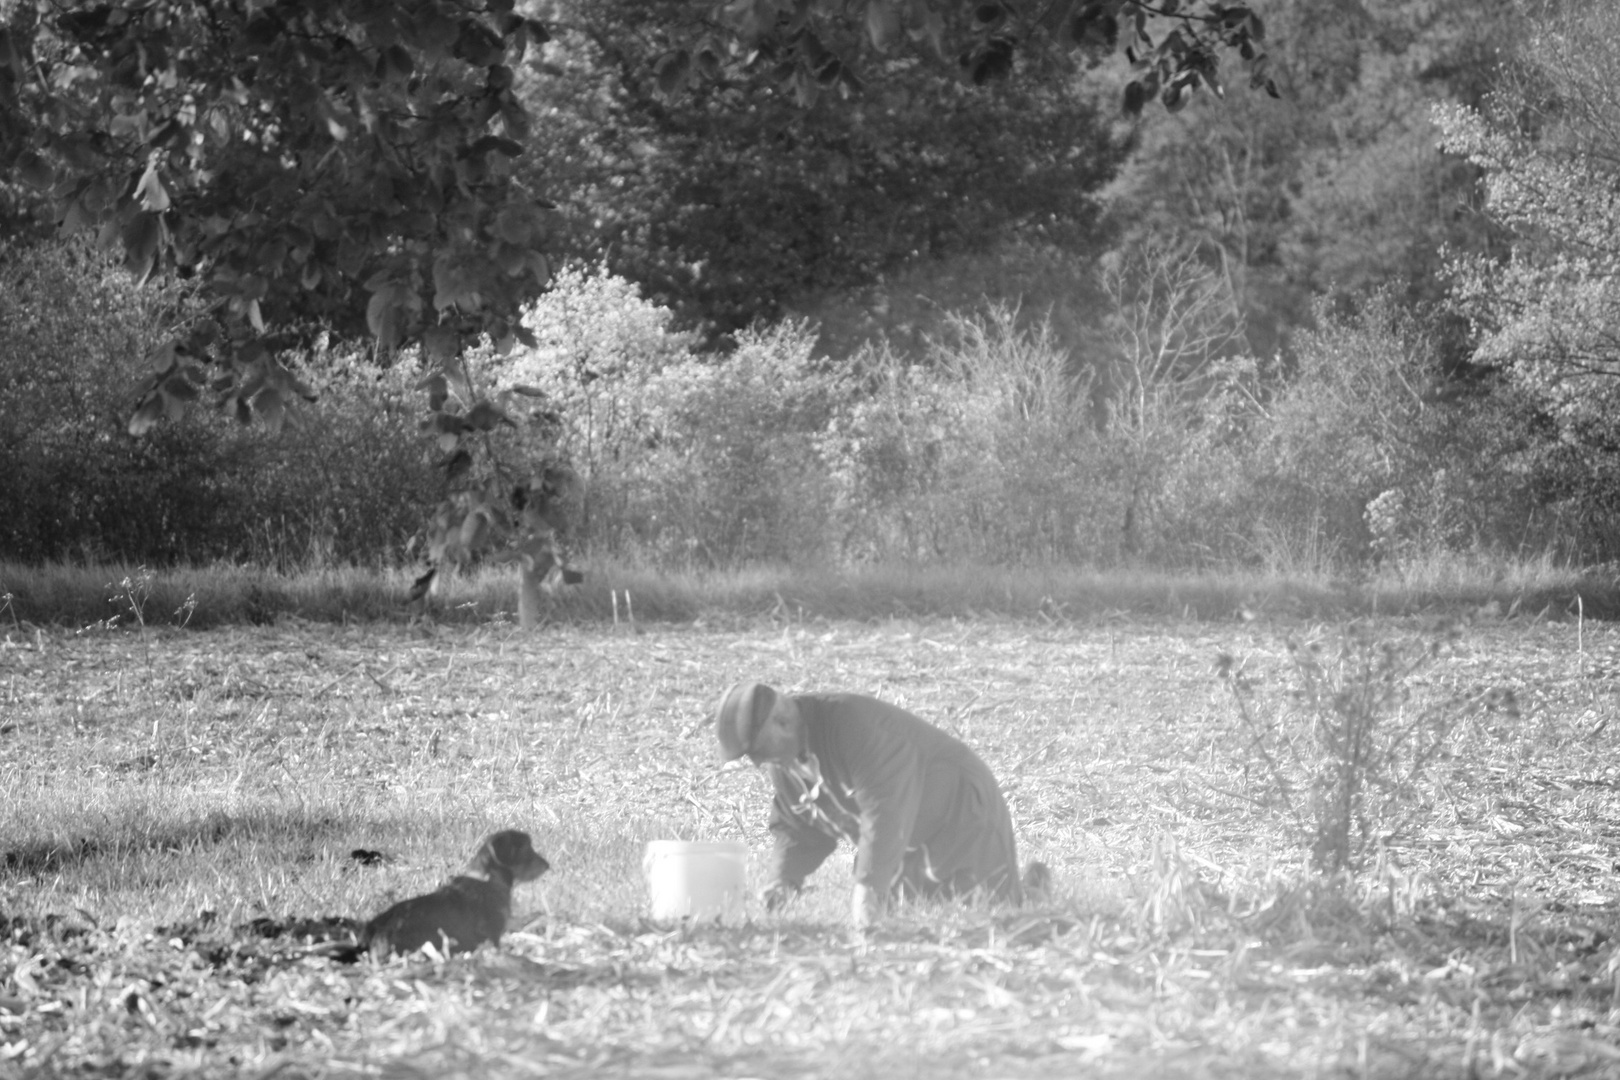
(107, 236)
(882, 23)
(147, 414)
(397, 63)
(992, 62)
(75, 218)
(377, 310)
(673, 70)
(458, 465)
(516, 224)
(1101, 32)
(218, 126)
(1136, 96)
(454, 284)
(385, 316)
(447, 423)
(440, 343)
(180, 388)
(487, 416)
(36, 171)
(438, 390)
(510, 258)
(142, 234)
(165, 357)
(487, 143)
(379, 279)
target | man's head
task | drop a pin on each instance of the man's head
(755, 720)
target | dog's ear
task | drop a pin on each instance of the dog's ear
(510, 848)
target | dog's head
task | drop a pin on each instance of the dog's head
(509, 854)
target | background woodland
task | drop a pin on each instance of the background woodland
(933, 318)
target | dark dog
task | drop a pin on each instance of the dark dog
(468, 910)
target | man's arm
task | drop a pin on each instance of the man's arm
(797, 851)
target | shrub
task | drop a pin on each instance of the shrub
(350, 480)
(731, 475)
(599, 346)
(75, 484)
(1350, 423)
(997, 447)
(681, 459)
(346, 482)
(1346, 762)
(985, 452)
(889, 454)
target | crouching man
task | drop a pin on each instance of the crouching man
(924, 813)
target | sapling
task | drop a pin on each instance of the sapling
(1345, 765)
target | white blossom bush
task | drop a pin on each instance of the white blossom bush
(680, 458)
(1547, 143)
(1548, 314)
(732, 474)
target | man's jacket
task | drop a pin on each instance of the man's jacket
(924, 813)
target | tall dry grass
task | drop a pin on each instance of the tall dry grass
(69, 595)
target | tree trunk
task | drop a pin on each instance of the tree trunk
(529, 579)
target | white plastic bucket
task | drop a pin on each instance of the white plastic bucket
(696, 879)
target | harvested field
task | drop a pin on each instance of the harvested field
(178, 812)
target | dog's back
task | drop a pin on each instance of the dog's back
(466, 911)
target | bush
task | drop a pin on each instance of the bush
(75, 484)
(350, 479)
(346, 482)
(681, 459)
(985, 452)
(1346, 761)
(732, 476)
(890, 453)
(1350, 424)
(599, 347)
(998, 447)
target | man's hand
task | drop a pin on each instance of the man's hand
(865, 905)
(778, 895)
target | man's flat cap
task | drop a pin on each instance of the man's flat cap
(741, 712)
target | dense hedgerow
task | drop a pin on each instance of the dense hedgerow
(681, 458)
(346, 480)
(72, 482)
(994, 445)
